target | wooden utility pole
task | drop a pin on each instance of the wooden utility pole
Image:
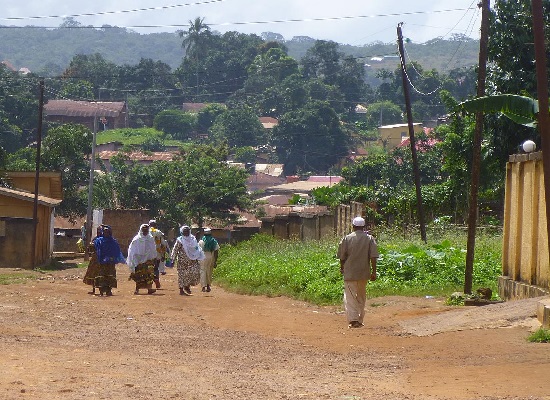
(37, 175)
(476, 158)
(542, 94)
(416, 172)
(89, 224)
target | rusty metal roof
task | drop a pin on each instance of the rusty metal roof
(70, 108)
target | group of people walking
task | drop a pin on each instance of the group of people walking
(148, 254)
(195, 260)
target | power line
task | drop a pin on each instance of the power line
(276, 21)
(112, 12)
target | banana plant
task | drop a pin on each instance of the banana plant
(520, 109)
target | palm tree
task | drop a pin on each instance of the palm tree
(194, 41)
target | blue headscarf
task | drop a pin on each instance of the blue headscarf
(107, 248)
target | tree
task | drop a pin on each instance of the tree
(64, 149)
(383, 113)
(511, 69)
(179, 124)
(92, 68)
(325, 62)
(203, 187)
(207, 116)
(239, 127)
(195, 43)
(310, 139)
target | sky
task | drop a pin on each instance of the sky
(354, 22)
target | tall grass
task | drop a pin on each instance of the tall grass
(310, 270)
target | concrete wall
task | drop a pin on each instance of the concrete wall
(301, 226)
(525, 256)
(125, 224)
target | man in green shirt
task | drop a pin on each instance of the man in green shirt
(358, 254)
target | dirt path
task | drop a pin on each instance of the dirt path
(59, 342)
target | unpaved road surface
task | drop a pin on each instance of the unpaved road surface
(59, 342)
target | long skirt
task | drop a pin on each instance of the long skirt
(92, 271)
(144, 276)
(207, 266)
(106, 277)
(188, 273)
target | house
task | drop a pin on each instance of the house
(140, 157)
(16, 218)
(269, 122)
(391, 136)
(111, 115)
(193, 107)
(303, 187)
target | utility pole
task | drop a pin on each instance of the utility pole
(542, 94)
(90, 192)
(37, 176)
(416, 172)
(476, 158)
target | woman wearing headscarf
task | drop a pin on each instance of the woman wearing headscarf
(93, 266)
(186, 254)
(108, 255)
(210, 247)
(141, 260)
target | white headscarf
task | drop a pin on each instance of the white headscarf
(191, 246)
(141, 249)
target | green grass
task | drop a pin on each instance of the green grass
(540, 336)
(9, 278)
(310, 271)
(130, 136)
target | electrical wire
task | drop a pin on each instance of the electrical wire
(276, 21)
(112, 12)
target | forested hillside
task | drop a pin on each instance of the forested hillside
(48, 51)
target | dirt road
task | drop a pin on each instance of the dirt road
(59, 342)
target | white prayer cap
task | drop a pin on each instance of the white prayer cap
(152, 222)
(207, 231)
(358, 221)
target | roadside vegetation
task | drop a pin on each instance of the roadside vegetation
(540, 336)
(310, 270)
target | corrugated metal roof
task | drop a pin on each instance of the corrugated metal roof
(27, 196)
(70, 108)
(140, 156)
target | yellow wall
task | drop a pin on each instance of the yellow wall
(525, 256)
(392, 135)
(47, 185)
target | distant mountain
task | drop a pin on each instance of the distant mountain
(49, 51)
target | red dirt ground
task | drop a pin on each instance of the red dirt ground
(59, 342)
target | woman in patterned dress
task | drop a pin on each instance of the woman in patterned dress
(186, 255)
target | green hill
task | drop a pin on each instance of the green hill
(49, 51)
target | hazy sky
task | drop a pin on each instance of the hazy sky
(345, 21)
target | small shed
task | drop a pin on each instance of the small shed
(17, 228)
